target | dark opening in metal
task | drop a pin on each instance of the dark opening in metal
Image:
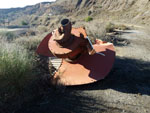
(64, 22)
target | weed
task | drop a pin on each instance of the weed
(89, 18)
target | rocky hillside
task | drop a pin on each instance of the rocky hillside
(8, 15)
(130, 11)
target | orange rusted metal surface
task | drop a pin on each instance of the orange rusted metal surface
(75, 45)
(82, 62)
(43, 47)
(88, 68)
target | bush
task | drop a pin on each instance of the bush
(15, 66)
(9, 36)
(30, 43)
(100, 7)
(95, 29)
(88, 19)
(122, 27)
(110, 27)
(42, 29)
(24, 23)
(30, 32)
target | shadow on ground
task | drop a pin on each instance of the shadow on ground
(66, 102)
(128, 76)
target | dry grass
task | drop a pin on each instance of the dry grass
(30, 43)
(98, 29)
(94, 29)
(8, 35)
(18, 73)
(42, 29)
(111, 27)
(15, 69)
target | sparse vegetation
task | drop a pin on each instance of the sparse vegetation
(18, 78)
(9, 36)
(89, 18)
(100, 6)
(42, 29)
(122, 27)
(111, 27)
(24, 23)
(15, 67)
(29, 43)
(30, 32)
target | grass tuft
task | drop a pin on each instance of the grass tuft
(7, 35)
(29, 43)
(89, 18)
(15, 65)
(110, 27)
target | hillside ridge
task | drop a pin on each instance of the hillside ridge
(137, 11)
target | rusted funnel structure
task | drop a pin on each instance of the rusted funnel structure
(82, 61)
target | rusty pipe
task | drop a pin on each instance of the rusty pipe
(64, 32)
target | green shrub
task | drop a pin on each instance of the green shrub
(30, 43)
(89, 18)
(19, 75)
(110, 27)
(9, 36)
(15, 66)
(100, 7)
(24, 23)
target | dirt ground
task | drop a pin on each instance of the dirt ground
(125, 90)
